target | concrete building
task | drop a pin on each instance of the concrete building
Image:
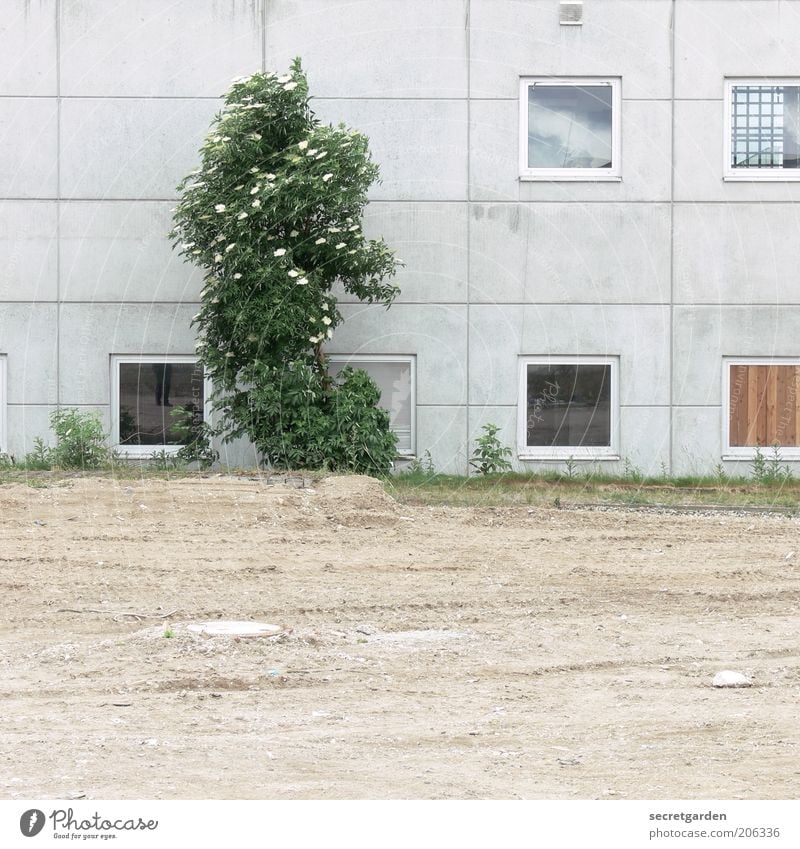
(596, 204)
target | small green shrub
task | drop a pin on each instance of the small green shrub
(770, 470)
(40, 458)
(632, 472)
(81, 442)
(758, 465)
(165, 461)
(490, 454)
(570, 468)
(421, 465)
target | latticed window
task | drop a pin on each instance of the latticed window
(764, 128)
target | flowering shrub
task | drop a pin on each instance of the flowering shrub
(273, 215)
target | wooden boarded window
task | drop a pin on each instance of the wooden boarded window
(764, 405)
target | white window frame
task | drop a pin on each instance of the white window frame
(3, 404)
(146, 451)
(752, 175)
(408, 359)
(564, 452)
(613, 174)
(747, 452)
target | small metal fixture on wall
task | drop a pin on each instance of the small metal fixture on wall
(570, 13)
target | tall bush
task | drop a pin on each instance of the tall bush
(273, 216)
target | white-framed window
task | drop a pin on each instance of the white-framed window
(3, 404)
(762, 129)
(395, 376)
(568, 407)
(153, 399)
(570, 128)
(761, 406)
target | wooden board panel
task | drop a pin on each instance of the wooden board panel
(761, 405)
(797, 405)
(752, 406)
(738, 405)
(784, 409)
(764, 406)
(771, 405)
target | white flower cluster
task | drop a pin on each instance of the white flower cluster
(316, 339)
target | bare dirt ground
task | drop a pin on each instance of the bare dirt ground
(428, 653)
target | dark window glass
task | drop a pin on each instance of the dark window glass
(159, 402)
(569, 126)
(569, 405)
(765, 126)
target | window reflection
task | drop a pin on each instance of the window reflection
(569, 126)
(569, 405)
(155, 399)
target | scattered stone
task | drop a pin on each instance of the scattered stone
(365, 629)
(728, 678)
(789, 556)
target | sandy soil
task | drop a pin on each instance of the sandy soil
(427, 653)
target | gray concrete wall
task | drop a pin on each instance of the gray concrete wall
(103, 106)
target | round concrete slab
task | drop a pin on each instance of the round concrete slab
(232, 628)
